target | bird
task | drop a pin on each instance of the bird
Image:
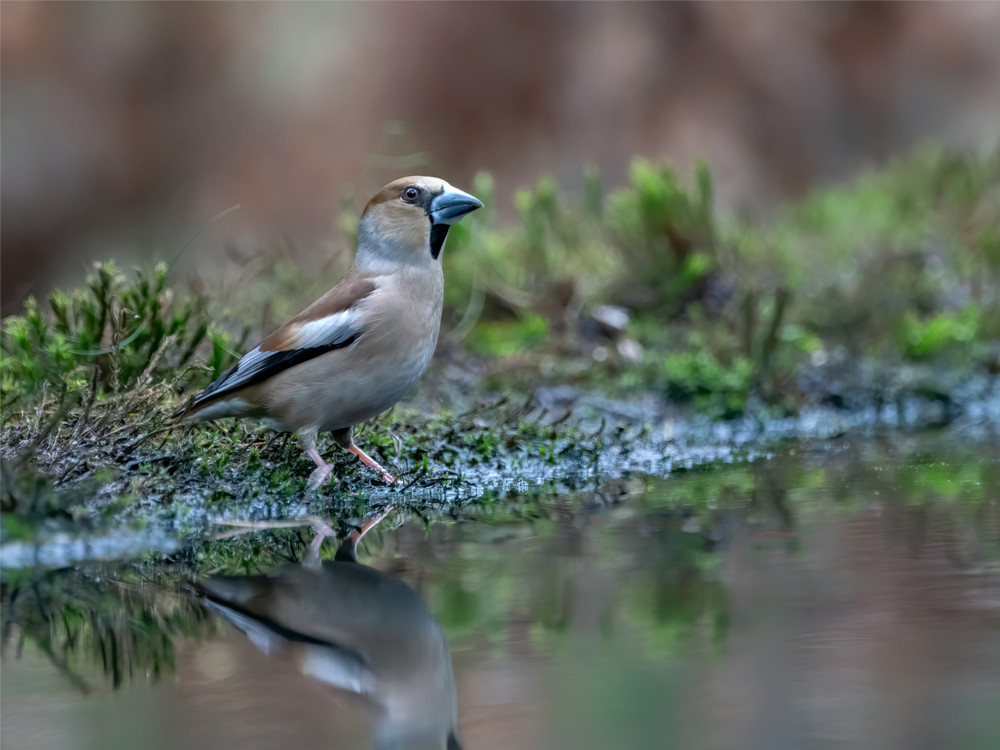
(355, 629)
(358, 349)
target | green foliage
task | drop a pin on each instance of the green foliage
(665, 234)
(105, 336)
(924, 339)
(715, 387)
(508, 338)
(902, 265)
(899, 263)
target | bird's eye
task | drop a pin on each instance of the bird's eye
(412, 194)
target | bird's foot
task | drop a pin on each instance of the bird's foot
(323, 472)
(369, 461)
(319, 477)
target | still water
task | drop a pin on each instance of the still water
(844, 595)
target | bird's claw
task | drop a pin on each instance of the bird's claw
(320, 476)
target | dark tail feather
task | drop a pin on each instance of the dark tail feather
(177, 415)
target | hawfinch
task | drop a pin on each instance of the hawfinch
(356, 629)
(359, 348)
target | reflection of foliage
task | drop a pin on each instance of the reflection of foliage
(122, 620)
(534, 565)
(672, 587)
(119, 624)
(639, 560)
(27, 498)
(928, 478)
(655, 575)
(249, 553)
(771, 494)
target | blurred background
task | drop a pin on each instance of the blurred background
(126, 126)
(836, 596)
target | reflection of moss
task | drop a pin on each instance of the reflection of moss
(930, 479)
(117, 624)
(121, 620)
(648, 574)
(671, 590)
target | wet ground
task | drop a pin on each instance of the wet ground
(841, 593)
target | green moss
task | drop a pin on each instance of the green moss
(925, 339)
(107, 337)
(508, 338)
(714, 386)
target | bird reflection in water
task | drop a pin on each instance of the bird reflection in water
(356, 629)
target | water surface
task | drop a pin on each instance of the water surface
(840, 595)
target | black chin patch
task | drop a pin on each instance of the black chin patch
(438, 234)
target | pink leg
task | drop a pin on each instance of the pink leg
(369, 461)
(367, 526)
(349, 547)
(323, 530)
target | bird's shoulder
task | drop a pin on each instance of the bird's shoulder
(339, 308)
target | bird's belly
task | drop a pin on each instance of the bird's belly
(328, 396)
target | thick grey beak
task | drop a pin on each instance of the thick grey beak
(451, 205)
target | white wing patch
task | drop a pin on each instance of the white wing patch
(324, 331)
(308, 340)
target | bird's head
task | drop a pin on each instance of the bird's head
(407, 221)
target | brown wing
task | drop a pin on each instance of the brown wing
(334, 321)
(340, 299)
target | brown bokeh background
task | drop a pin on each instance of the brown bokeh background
(126, 126)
